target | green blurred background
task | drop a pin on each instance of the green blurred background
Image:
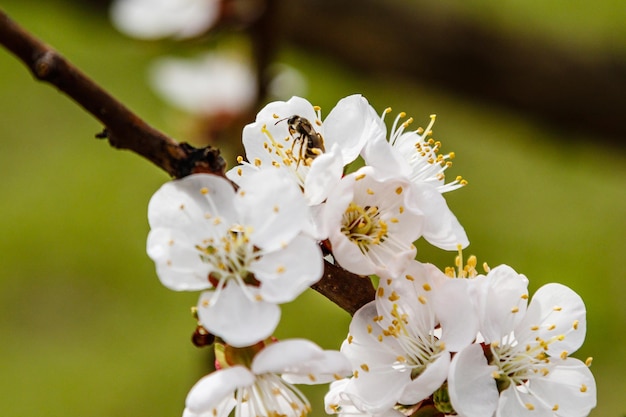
(86, 328)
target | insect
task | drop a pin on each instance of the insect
(311, 142)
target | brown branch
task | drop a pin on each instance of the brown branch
(123, 129)
(347, 290)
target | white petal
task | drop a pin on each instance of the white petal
(441, 227)
(191, 203)
(238, 173)
(515, 403)
(381, 378)
(381, 155)
(236, 318)
(286, 274)
(324, 175)
(459, 320)
(274, 207)
(558, 311)
(363, 344)
(283, 109)
(328, 368)
(210, 391)
(178, 262)
(348, 255)
(351, 124)
(472, 389)
(151, 19)
(413, 292)
(503, 303)
(570, 385)
(300, 361)
(285, 356)
(427, 382)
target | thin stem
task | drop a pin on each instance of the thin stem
(122, 128)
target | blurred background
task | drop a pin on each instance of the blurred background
(531, 96)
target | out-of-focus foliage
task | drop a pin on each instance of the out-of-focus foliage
(87, 330)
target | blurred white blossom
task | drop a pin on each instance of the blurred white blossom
(154, 19)
(211, 84)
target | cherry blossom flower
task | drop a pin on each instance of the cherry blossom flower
(414, 153)
(246, 248)
(153, 19)
(370, 224)
(264, 385)
(211, 84)
(525, 370)
(415, 156)
(291, 135)
(395, 345)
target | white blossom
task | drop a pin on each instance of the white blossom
(265, 385)
(526, 370)
(210, 84)
(313, 153)
(370, 224)
(416, 157)
(153, 19)
(397, 349)
(246, 248)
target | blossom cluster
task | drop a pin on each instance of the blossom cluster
(346, 190)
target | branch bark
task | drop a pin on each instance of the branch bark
(125, 130)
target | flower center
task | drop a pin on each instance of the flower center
(231, 255)
(363, 226)
(422, 153)
(421, 348)
(518, 366)
(272, 396)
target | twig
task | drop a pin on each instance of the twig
(347, 290)
(123, 129)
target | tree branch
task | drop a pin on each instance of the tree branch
(347, 290)
(123, 129)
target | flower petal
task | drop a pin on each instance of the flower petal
(427, 382)
(193, 202)
(325, 173)
(569, 387)
(351, 124)
(441, 227)
(284, 275)
(235, 317)
(178, 262)
(210, 391)
(503, 302)
(285, 356)
(459, 320)
(472, 389)
(274, 207)
(558, 312)
(328, 368)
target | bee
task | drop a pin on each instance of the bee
(311, 142)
